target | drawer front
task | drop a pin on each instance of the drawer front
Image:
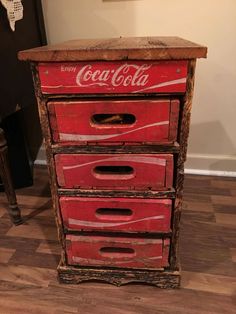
(117, 252)
(113, 77)
(116, 171)
(116, 214)
(114, 121)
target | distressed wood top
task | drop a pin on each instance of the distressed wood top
(133, 48)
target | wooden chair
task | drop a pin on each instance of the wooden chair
(5, 174)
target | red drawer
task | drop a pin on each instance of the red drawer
(114, 171)
(113, 77)
(117, 252)
(116, 214)
(114, 121)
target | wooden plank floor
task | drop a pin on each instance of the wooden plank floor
(29, 255)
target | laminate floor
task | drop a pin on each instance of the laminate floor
(29, 255)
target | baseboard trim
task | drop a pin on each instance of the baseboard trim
(201, 172)
(40, 162)
(215, 165)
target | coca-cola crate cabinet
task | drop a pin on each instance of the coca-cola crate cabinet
(115, 116)
(119, 251)
(114, 121)
(119, 171)
(116, 214)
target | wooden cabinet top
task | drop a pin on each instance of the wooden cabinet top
(133, 48)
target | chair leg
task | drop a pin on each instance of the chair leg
(5, 174)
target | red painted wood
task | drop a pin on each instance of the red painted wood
(174, 120)
(117, 252)
(153, 121)
(139, 171)
(116, 214)
(113, 77)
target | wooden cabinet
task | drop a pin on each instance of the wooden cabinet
(115, 115)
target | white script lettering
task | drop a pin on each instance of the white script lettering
(125, 75)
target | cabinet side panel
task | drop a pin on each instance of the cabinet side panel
(185, 115)
(44, 121)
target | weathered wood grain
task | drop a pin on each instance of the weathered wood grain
(133, 48)
(118, 193)
(185, 115)
(118, 277)
(120, 149)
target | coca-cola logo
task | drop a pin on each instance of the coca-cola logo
(125, 75)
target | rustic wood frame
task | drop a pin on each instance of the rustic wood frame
(167, 278)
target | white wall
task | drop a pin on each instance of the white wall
(209, 22)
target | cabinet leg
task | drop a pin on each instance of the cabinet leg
(5, 174)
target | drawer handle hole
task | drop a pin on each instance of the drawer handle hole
(113, 119)
(116, 252)
(114, 213)
(114, 170)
